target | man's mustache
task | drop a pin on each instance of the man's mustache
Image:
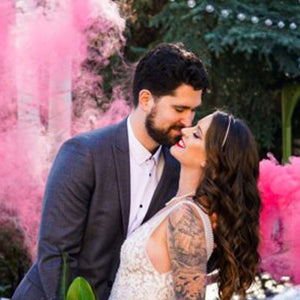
(177, 127)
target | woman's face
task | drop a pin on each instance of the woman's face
(190, 150)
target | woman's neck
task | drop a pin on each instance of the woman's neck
(189, 180)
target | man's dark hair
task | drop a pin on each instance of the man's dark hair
(165, 68)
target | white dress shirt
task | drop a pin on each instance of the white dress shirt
(145, 173)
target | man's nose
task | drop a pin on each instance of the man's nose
(187, 119)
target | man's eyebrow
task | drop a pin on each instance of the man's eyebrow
(181, 106)
(187, 107)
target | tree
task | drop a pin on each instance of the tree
(251, 49)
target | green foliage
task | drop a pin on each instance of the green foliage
(219, 34)
(247, 92)
(64, 282)
(80, 290)
(248, 63)
(178, 22)
(139, 34)
(116, 73)
(103, 67)
(290, 97)
(14, 255)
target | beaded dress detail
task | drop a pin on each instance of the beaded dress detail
(137, 278)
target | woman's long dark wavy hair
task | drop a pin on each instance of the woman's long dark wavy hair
(229, 186)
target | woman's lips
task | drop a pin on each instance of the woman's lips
(180, 144)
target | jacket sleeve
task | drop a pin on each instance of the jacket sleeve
(65, 209)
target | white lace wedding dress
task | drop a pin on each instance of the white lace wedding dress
(137, 278)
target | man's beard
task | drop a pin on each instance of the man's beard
(161, 136)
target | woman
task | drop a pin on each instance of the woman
(166, 257)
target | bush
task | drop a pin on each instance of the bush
(14, 255)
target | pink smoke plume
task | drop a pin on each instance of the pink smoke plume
(6, 16)
(41, 50)
(7, 101)
(280, 192)
(93, 118)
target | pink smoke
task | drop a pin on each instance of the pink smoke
(93, 118)
(280, 193)
(40, 56)
(6, 16)
(7, 97)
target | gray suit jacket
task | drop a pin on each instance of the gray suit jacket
(86, 212)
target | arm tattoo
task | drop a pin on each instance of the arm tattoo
(187, 249)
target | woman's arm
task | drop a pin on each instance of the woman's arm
(187, 250)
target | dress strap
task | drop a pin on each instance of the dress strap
(177, 198)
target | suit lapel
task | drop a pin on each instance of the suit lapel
(167, 186)
(122, 164)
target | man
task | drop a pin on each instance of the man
(107, 182)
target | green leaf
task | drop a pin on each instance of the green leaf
(80, 290)
(290, 97)
(64, 277)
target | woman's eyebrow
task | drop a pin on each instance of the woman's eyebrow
(199, 128)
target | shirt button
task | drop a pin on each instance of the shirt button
(141, 205)
(150, 174)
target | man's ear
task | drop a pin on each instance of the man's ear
(146, 100)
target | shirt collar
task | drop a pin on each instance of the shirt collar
(137, 150)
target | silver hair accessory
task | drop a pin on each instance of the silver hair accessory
(227, 130)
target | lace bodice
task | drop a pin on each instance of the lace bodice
(137, 278)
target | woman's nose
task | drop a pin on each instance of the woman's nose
(186, 131)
